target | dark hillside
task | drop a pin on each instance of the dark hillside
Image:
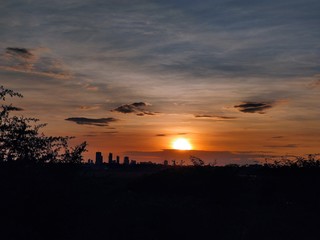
(73, 202)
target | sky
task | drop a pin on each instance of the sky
(239, 80)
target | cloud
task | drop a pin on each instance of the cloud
(88, 108)
(161, 135)
(110, 132)
(18, 52)
(11, 108)
(254, 107)
(277, 137)
(164, 135)
(138, 108)
(100, 122)
(315, 83)
(100, 133)
(90, 135)
(215, 117)
(282, 146)
(33, 61)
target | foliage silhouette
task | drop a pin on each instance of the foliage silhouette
(196, 161)
(311, 161)
(21, 140)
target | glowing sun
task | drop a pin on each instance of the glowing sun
(181, 144)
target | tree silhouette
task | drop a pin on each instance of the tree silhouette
(21, 141)
(196, 161)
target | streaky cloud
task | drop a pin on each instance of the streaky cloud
(254, 107)
(215, 117)
(161, 135)
(99, 122)
(282, 146)
(19, 52)
(33, 61)
(277, 137)
(138, 108)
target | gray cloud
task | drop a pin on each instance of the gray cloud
(254, 107)
(99, 122)
(138, 108)
(277, 137)
(215, 117)
(33, 61)
(172, 37)
(96, 134)
(282, 146)
(11, 108)
(315, 83)
(18, 52)
(88, 108)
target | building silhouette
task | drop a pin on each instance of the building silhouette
(118, 160)
(99, 158)
(110, 161)
(126, 160)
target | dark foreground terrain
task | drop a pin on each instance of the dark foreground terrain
(67, 202)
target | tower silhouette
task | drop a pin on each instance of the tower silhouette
(110, 158)
(99, 158)
(126, 160)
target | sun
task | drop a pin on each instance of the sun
(181, 144)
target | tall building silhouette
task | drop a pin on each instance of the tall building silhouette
(110, 158)
(99, 158)
(126, 160)
(118, 160)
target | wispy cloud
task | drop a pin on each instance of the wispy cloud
(138, 108)
(19, 52)
(214, 117)
(254, 107)
(99, 122)
(277, 137)
(33, 61)
(161, 135)
(282, 146)
(110, 132)
(170, 134)
(88, 108)
(315, 83)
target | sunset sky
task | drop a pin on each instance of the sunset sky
(239, 79)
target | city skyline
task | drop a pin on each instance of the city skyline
(238, 80)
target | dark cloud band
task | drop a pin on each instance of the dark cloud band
(100, 122)
(254, 107)
(215, 117)
(138, 108)
(22, 52)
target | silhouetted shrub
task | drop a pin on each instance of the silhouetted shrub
(21, 141)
